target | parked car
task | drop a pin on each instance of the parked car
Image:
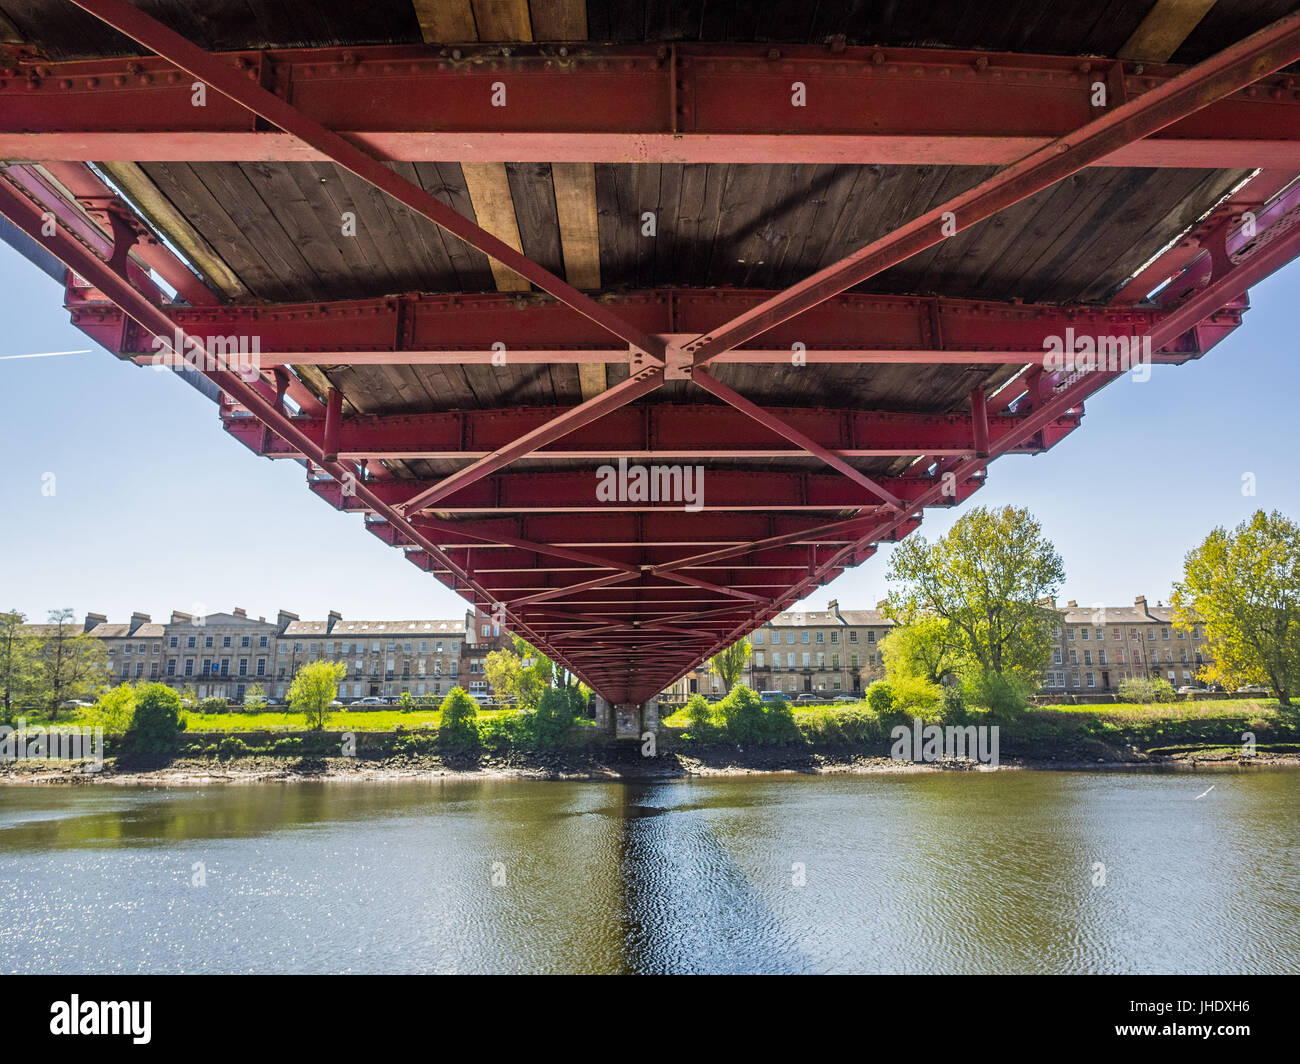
(372, 700)
(770, 696)
(810, 698)
(1252, 692)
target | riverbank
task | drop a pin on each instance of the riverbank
(610, 763)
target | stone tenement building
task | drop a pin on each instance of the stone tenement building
(1098, 647)
(828, 652)
(1095, 648)
(224, 654)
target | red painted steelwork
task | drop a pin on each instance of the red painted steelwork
(909, 106)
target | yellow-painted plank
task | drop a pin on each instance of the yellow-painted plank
(1164, 29)
(445, 21)
(503, 20)
(575, 206)
(166, 219)
(494, 208)
(591, 379)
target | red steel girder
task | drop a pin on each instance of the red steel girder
(691, 103)
(461, 329)
(667, 431)
(1235, 68)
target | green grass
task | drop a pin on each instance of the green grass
(339, 720)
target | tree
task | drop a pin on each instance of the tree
(985, 579)
(458, 730)
(922, 646)
(314, 687)
(16, 662)
(1244, 587)
(730, 663)
(255, 699)
(156, 720)
(114, 710)
(71, 663)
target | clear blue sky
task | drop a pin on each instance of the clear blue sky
(156, 508)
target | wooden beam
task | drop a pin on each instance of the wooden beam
(560, 20)
(166, 219)
(494, 210)
(575, 207)
(1162, 32)
(503, 20)
(445, 21)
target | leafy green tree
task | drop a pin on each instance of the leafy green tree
(458, 729)
(1244, 587)
(156, 720)
(17, 662)
(985, 579)
(730, 663)
(748, 719)
(71, 663)
(921, 646)
(255, 699)
(314, 687)
(506, 672)
(114, 710)
(555, 713)
(406, 702)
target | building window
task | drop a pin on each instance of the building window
(174, 642)
(821, 637)
(853, 636)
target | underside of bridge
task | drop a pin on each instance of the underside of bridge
(786, 271)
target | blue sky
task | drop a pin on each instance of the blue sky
(155, 508)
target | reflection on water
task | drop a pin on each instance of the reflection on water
(935, 872)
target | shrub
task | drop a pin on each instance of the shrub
(880, 697)
(952, 707)
(699, 716)
(156, 720)
(231, 746)
(287, 747)
(405, 702)
(459, 730)
(555, 712)
(1143, 689)
(214, 705)
(748, 719)
(503, 731)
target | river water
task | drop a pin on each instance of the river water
(934, 872)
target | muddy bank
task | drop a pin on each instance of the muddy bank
(620, 762)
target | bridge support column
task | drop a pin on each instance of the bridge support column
(604, 720)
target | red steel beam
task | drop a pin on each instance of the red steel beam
(669, 431)
(693, 104)
(461, 329)
(234, 84)
(1235, 68)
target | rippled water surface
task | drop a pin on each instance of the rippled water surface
(885, 873)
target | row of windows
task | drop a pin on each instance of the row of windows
(805, 636)
(1054, 679)
(376, 646)
(760, 659)
(1085, 634)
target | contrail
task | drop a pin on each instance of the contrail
(45, 354)
(1204, 793)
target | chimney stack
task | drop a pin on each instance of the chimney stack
(1072, 603)
(283, 619)
(333, 619)
(137, 619)
(238, 611)
(93, 619)
(1141, 603)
